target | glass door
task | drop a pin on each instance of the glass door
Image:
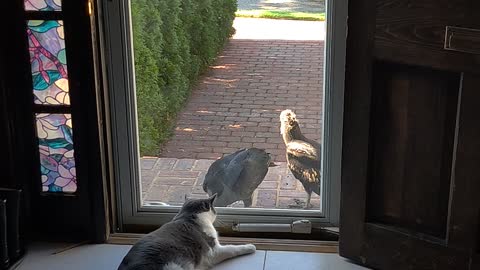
(204, 100)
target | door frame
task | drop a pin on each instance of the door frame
(75, 218)
(116, 54)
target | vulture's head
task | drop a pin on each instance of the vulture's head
(289, 127)
(288, 116)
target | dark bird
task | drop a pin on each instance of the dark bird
(303, 154)
(236, 176)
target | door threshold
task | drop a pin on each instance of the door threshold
(260, 243)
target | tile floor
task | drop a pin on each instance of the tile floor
(47, 256)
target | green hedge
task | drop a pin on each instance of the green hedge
(174, 41)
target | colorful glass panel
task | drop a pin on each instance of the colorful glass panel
(43, 5)
(57, 162)
(48, 61)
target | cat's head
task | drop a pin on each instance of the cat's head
(199, 208)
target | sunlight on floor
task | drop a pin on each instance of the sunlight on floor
(261, 29)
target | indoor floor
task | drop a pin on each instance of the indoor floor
(43, 256)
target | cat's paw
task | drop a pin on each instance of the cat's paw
(249, 248)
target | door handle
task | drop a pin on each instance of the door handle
(462, 39)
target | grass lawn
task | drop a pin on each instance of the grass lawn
(275, 14)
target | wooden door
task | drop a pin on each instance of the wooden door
(51, 215)
(411, 145)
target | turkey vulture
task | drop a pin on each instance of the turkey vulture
(236, 176)
(303, 154)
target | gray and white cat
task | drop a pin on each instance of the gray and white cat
(188, 242)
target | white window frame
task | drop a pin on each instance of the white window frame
(117, 47)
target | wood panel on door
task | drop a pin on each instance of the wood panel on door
(411, 150)
(412, 134)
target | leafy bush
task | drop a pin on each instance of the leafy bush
(174, 41)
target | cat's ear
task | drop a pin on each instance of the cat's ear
(212, 198)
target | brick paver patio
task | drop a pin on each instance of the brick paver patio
(167, 180)
(237, 104)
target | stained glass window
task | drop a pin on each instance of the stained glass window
(51, 95)
(48, 62)
(57, 163)
(43, 5)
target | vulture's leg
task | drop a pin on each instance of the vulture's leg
(309, 196)
(248, 202)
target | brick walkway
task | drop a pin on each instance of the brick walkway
(167, 180)
(269, 66)
(238, 102)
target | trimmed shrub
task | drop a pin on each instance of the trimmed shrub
(174, 42)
